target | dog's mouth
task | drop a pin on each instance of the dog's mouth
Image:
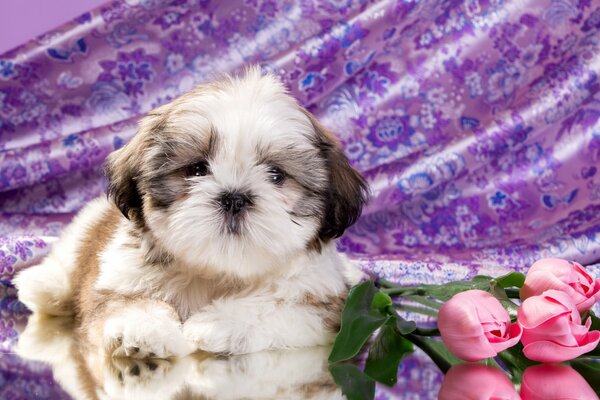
(233, 224)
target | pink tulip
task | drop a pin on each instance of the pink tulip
(554, 382)
(474, 326)
(552, 330)
(476, 382)
(568, 277)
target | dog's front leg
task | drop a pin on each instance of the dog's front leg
(249, 324)
(137, 328)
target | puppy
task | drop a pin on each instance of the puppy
(217, 233)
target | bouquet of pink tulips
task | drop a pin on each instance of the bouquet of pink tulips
(478, 321)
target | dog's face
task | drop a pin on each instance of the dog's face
(235, 176)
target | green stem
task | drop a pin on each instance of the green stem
(393, 289)
(427, 332)
(512, 293)
(388, 284)
(437, 358)
(420, 310)
(425, 301)
(401, 291)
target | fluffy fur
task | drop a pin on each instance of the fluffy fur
(217, 234)
(284, 374)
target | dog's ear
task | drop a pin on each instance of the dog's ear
(347, 191)
(124, 167)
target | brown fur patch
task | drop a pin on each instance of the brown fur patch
(347, 191)
(329, 309)
(87, 259)
(93, 242)
(318, 387)
(85, 378)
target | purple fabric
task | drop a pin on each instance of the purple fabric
(476, 123)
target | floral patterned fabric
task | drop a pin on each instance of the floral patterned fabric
(475, 122)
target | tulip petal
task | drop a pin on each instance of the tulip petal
(547, 351)
(459, 314)
(555, 266)
(554, 382)
(475, 382)
(568, 277)
(593, 296)
(474, 348)
(559, 330)
(538, 282)
(514, 335)
(536, 310)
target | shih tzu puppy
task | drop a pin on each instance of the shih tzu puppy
(217, 234)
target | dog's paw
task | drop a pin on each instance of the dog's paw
(132, 370)
(142, 335)
(150, 378)
(212, 333)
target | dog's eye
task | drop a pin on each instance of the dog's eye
(276, 175)
(198, 169)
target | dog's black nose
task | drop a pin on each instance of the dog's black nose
(234, 202)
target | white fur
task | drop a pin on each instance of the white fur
(149, 328)
(269, 256)
(255, 112)
(50, 340)
(291, 374)
(47, 288)
(265, 318)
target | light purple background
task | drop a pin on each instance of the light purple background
(22, 20)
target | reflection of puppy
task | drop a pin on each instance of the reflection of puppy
(230, 198)
(91, 375)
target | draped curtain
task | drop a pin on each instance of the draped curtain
(476, 122)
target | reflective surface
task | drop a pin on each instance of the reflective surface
(43, 360)
(475, 122)
(48, 364)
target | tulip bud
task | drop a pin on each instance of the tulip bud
(476, 382)
(568, 277)
(554, 382)
(474, 326)
(552, 329)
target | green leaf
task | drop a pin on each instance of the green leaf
(361, 317)
(513, 279)
(403, 326)
(355, 384)
(507, 303)
(446, 291)
(381, 301)
(385, 354)
(436, 350)
(590, 371)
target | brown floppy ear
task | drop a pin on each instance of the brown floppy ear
(124, 168)
(347, 191)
